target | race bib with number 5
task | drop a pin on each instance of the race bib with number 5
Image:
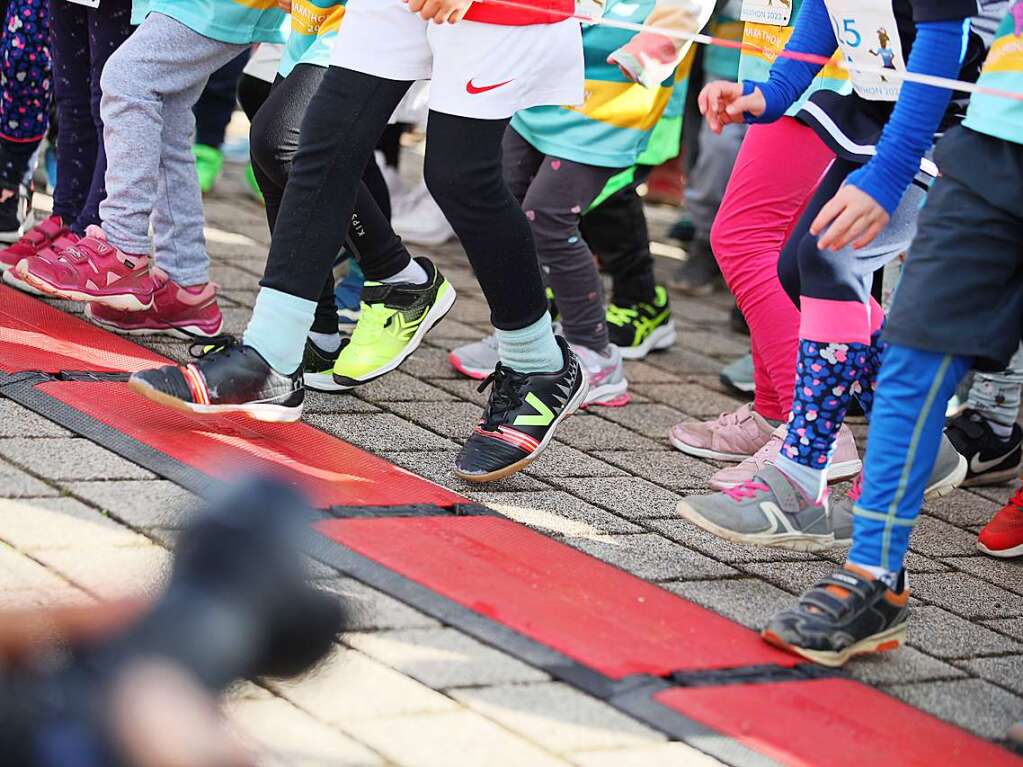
(869, 37)
(774, 12)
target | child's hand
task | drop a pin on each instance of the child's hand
(852, 215)
(647, 59)
(722, 103)
(439, 11)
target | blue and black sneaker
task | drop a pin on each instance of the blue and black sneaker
(846, 614)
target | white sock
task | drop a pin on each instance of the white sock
(886, 576)
(812, 482)
(1001, 431)
(327, 342)
(412, 274)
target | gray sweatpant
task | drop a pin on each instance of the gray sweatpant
(150, 85)
(996, 396)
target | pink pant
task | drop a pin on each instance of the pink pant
(775, 175)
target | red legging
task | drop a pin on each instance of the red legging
(777, 170)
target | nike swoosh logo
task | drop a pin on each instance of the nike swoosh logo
(978, 466)
(475, 89)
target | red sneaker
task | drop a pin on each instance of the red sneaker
(1003, 536)
(32, 241)
(175, 311)
(91, 270)
(50, 251)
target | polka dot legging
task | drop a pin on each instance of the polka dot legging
(25, 84)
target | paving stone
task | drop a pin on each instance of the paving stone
(429, 362)
(1006, 671)
(321, 402)
(371, 609)
(230, 277)
(469, 311)
(437, 466)
(964, 509)
(915, 563)
(350, 686)
(652, 557)
(18, 421)
(659, 755)
(63, 458)
(1007, 573)
(455, 332)
(905, 665)
(399, 386)
(441, 740)
(175, 351)
(464, 389)
(794, 577)
(745, 600)
(681, 530)
(284, 736)
(19, 572)
(936, 538)
(668, 468)
(452, 419)
(62, 523)
(685, 362)
(112, 571)
(588, 432)
(557, 717)
(1011, 626)
(940, 633)
(641, 371)
(725, 345)
(140, 503)
(691, 398)
(629, 497)
(381, 431)
(973, 704)
(15, 483)
(555, 512)
(968, 596)
(651, 420)
(562, 461)
(443, 657)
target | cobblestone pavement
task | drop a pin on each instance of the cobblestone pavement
(405, 690)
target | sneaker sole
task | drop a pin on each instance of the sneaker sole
(323, 382)
(12, 279)
(123, 302)
(573, 405)
(186, 332)
(660, 339)
(476, 373)
(792, 541)
(992, 477)
(885, 641)
(609, 395)
(437, 312)
(837, 472)
(1015, 551)
(259, 411)
(949, 482)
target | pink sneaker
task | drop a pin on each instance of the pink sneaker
(48, 252)
(32, 241)
(732, 437)
(845, 463)
(175, 311)
(91, 270)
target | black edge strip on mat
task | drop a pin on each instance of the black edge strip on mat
(631, 695)
(412, 510)
(762, 674)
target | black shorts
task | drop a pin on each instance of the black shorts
(962, 288)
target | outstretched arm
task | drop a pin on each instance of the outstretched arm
(650, 57)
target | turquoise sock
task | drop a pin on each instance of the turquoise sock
(531, 349)
(278, 328)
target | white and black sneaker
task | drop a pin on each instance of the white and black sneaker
(226, 378)
(318, 368)
(16, 216)
(991, 459)
(520, 419)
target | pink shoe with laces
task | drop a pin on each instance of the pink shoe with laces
(91, 270)
(190, 312)
(731, 437)
(845, 463)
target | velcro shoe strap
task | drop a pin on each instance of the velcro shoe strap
(788, 497)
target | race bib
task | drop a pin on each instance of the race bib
(869, 37)
(774, 12)
(86, 3)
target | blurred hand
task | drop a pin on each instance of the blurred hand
(284, 5)
(439, 11)
(647, 59)
(851, 215)
(722, 103)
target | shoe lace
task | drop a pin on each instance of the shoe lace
(621, 315)
(857, 488)
(747, 489)
(1017, 499)
(224, 343)
(505, 396)
(372, 320)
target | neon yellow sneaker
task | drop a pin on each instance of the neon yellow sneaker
(393, 321)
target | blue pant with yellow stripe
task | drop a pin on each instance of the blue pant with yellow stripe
(908, 418)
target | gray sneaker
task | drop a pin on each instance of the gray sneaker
(606, 374)
(476, 360)
(738, 375)
(767, 511)
(948, 473)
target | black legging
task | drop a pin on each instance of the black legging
(342, 125)
(274, 141)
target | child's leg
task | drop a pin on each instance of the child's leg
(778, 167)
(108, 28)
(149, 87)
(24, 108)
